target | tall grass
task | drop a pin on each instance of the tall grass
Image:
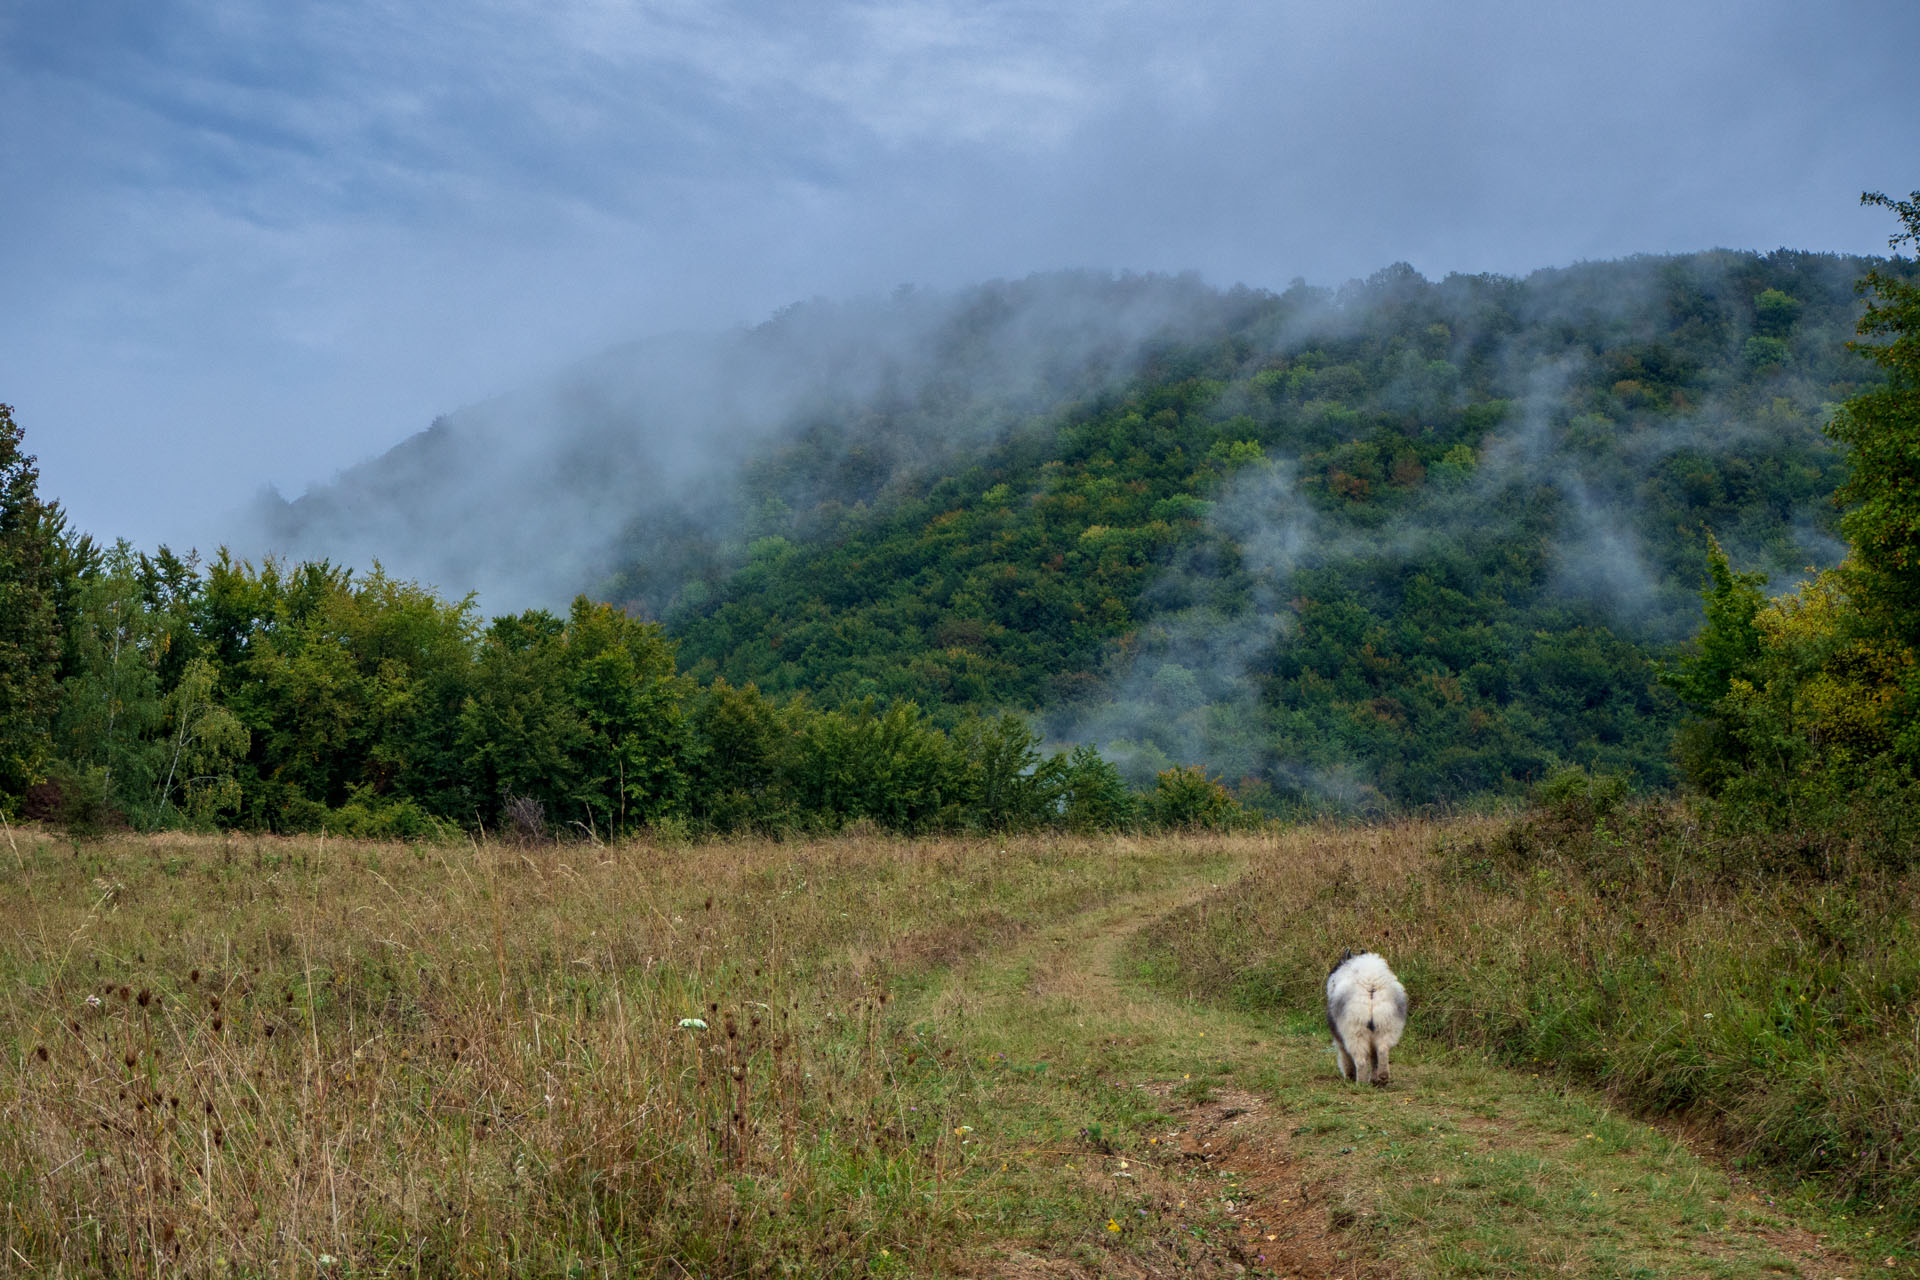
(232, 1055)
(1770, 994)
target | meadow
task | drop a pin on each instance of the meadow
(1762, 990)
(232, 1055)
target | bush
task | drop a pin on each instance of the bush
(370, 817)
(74, 798)
(1093, 795)
(1573, 792)
(1187, 798)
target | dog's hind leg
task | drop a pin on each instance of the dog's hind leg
(1349, 1066)
(1379, 1065)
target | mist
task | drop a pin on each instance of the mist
(1195, 681)
(535, 496)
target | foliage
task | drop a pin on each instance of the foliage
(1188, 799)
(1806, 702)
(1407, 543)
(204, 743)
(1441, 528)
(1093, 795)
(29, 635)
(1881, 429)
(305, 698)
(1727, 649)
(112, 704)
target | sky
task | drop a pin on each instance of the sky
(249, 244)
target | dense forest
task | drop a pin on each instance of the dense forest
(1401, 544)
(1404, 543)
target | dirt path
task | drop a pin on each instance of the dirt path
(1277, 1207)
(1248, 1156)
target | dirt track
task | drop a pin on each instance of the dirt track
(1232, 1176)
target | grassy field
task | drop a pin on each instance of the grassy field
(1773, 1010)
(864, 1056)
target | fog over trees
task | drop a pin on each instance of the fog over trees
(1078, 548)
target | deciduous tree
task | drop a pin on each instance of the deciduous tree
(1881, 429)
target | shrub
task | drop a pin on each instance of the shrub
(1188, 798)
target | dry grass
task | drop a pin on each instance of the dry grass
(233, 1054)
(920, 1058)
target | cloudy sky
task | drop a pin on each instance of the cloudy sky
(246, 243)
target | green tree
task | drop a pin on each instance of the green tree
(29, 625)
(112, 703)
(1094, 797)
(1881, 430)
(1711, 749)
(518, 733)
(887, 766)
(1188, 798)
(202, 749)
(736, 758)
(1728, 647)
(623, 685)
(1774, 313)
(1000, 781)
(351, 688)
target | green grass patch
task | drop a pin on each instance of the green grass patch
(1773, 1010)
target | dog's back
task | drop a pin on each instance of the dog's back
(1366, 1012)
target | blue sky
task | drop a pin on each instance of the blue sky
(244, 244)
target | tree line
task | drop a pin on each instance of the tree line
(887, 662)
(154, 690)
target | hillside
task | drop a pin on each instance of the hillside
(629, 462)
(1403, 542)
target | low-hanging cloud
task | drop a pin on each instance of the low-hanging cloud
(1550, 474)
(524, 499)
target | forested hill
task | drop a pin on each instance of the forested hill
(1406, 541)
(631, 460)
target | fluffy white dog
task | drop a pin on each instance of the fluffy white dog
(1366, 1011)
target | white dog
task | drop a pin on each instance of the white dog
(1366, 1011)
